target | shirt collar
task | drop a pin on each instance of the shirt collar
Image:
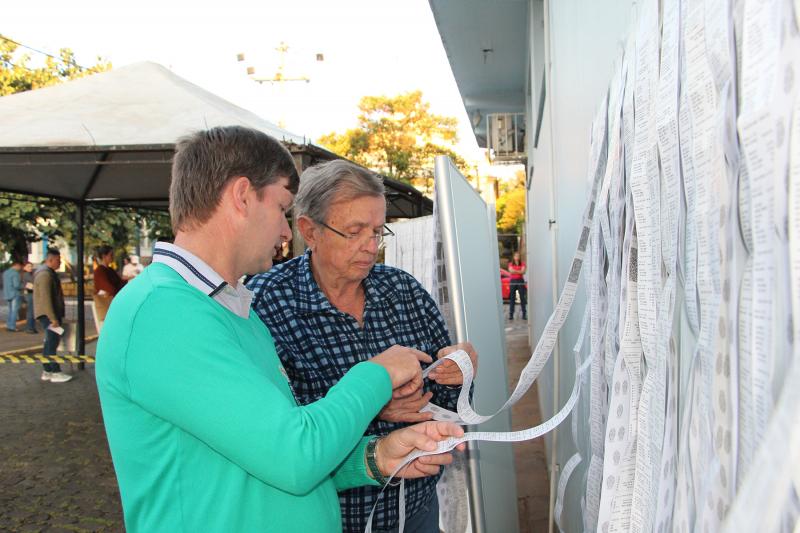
(202, 277)
(311, 299)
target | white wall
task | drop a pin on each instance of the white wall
(585, 38)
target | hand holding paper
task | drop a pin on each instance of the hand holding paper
(448, 372)
(404, 370)
(392, 449)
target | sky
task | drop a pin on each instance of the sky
(370, 47)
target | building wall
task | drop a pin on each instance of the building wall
(585, 38)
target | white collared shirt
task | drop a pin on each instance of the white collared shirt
(199, 275)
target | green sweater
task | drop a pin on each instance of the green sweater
(204, 431)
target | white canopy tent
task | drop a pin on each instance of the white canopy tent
(110, 136)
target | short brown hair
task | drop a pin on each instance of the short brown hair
(205, 161)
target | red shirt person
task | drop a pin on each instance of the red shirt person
(517, 285)
(107, 282)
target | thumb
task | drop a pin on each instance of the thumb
(416, 437)
(449, 429)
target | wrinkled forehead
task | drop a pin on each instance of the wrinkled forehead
(365, 210)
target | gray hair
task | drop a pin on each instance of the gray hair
(332, 182)
(205, 161)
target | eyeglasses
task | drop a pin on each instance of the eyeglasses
(360, 236)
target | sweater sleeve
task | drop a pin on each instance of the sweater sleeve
(353, 470)
(184, 364)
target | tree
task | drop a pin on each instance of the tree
(25, 219)
(17, 75)
(398, 137)
(511, 204)
(511, 211)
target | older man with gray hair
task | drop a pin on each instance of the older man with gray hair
(332, 307)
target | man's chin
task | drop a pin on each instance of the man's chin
(260, 268)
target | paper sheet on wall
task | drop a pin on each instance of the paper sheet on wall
(653, 502)
(412, 249)
(756, 129)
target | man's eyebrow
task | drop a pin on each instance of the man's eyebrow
(362, 225)
(358, 224)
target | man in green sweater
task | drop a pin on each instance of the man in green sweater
(203, 428)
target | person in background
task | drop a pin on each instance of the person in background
(27, 290)
(107, 282)
(48, 306)
(131, 268)
(281, 254)
(517, 286)
(204, 430)
(12, 285)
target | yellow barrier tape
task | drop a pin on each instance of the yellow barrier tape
(39, 358)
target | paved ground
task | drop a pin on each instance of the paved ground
(56, 473)
(55, 469)
(533, 485)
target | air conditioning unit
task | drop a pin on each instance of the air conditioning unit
(506, 137)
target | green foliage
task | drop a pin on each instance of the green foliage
(17, 75)
(398, 137)
(511, 211)
(158, 226)
(25, 219)
(511, 204)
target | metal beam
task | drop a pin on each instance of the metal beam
(80, 332)
(95, 175)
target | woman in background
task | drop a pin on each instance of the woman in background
(517, 285)
(107, 282)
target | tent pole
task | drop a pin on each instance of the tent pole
(80, 332)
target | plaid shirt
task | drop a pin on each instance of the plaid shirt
(317, 344)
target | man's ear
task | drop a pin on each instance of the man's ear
(308, 230)
(239, 192)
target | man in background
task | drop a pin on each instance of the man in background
(48, 306)
(12, 284)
